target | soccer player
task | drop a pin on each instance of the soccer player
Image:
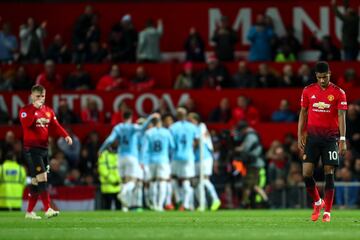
(128, 154)
(158, 143)
(323, 109)
(37, 120)
(207, 162)
(186, 136)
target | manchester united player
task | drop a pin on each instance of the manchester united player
(323, 109)
(37, 120)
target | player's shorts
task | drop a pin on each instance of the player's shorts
(183, 169)
(316, 148)
(159, 171)
(146, 173)
(207, 167)
(129, 167)
(37, 159)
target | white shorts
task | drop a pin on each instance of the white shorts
(183, 169)
(146, 173)
(207, 167)
(159, 171)
(129, 167)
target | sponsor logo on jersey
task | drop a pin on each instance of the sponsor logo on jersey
(330, 98)
(42, 122)
(321, 105)
(23, 115)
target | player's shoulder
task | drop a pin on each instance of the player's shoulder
(26, 108)
(337, 88)
(310, 86)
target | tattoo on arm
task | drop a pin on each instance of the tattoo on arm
(341, 112)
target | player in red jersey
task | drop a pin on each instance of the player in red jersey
(323, 110)
(37, 120)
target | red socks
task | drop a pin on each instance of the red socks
(45, 198)
(314, 193)
(329, 197)
(33, 197)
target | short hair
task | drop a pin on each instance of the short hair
(127, 114)
(195, 116)
(37, 88)
(155, 121)
(181, 113)
(322, 67)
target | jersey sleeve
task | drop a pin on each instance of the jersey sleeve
(27, 117)
(342, 103)
(56, 126)
(304, 99)
(110, 139)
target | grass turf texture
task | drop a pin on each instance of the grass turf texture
(249, 224)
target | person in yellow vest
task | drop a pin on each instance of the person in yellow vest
(110, 180)
(12, 183)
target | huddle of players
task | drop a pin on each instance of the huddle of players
(160, 162)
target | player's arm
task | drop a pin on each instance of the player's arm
(109, 140)
(27, 118)
(144, 126)
(342, 130)
(301, 126)
(59, 129)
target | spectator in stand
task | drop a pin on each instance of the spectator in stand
(58, 51)
(215, 76)
(260, 36)
(71, 152)
(65, 115)
(79, 79)
(304, 75)
(142, 81)
(4, 117)
(187, 78)
(49, 79)
(8, 143)
(283, 114)
(117, 117)
(194, 46)
(265, 77)
(22, 81)
(243, 78)
(348, 80)
(31, 41)
(353, 128)
(350, 30)
(8, 44)
(148, 49)
(225, 39)
(245, 111)
(6, 80)
(290, 41)
(123, 40)
(96, 53)
(84, 32)
(285, 54)
(89, 156)
(328, 50)
(357, 168)
(91, 113)
(222, 113)
(112, 81)
(59, 169)
(288, 78)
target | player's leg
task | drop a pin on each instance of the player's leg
(169, 193)
(209, 186)
(187, 173)
(330, 158)
(162, 174)
(175, 182)
(33, 189)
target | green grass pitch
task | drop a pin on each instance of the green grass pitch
(248, 224)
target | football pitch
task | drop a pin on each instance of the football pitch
(245, 224)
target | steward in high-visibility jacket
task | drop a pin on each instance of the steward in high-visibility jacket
(12, 184)
(110, 180)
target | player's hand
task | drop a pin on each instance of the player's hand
(301, 142)
(38, 103)
(68, 140)
(48, 168)
(155, 115)
(342, 148)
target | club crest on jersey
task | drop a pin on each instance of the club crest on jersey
(330, 98)
(48, 114)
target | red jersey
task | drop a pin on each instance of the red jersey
(323, 106)
(36, 124)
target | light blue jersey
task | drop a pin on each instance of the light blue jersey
(184, 134)
(207, 146)
(157, 145)
(139, 139)
(124, 133)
